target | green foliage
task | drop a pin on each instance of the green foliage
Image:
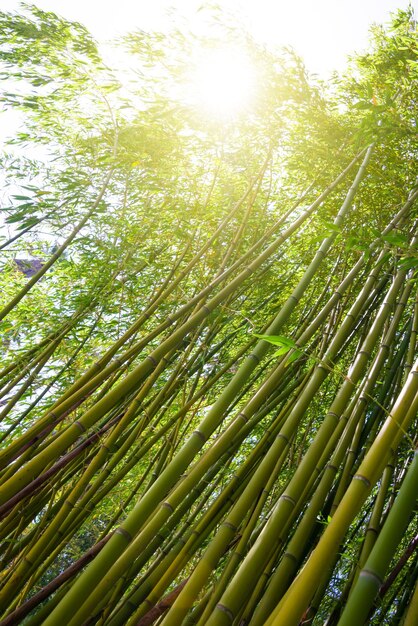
(177, 262)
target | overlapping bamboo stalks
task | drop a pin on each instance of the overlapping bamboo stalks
(236, 513)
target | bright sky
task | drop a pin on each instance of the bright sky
(323, 32)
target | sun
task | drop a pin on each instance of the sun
(223, 82)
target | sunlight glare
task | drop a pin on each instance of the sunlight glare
(224, 82)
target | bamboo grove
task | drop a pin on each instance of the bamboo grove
(209, 376)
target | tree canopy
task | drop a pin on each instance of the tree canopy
(209, 384)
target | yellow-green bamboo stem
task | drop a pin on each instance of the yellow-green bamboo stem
(297, 598)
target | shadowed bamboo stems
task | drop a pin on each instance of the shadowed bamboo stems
(238, 552)
(295, 549)
(369, 471)
(185, 546)
(374, 569)
(28, 606)
(165, 511)
(289, 497)
(230, 484)
(180, 545)
(265, 474)
(373, 526)
(412, 609)
(206, 487)
(229, 600)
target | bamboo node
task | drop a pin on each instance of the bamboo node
(333, 414)
(153, 361)
(253, 356)
(332, 467)
(167, 505)
(225, 609)
(364, 479)
(80, 426)
(369, 574)
(281, 436)
(200, 435)
(288, 498)
(122, 531)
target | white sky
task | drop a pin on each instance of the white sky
(323, 32)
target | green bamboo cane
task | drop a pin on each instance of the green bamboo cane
(385, 393)
(412, 612)
(230, 486)
(63, 462)
(295, 601)
(409, 550)
(373, 527)
(80, 505)
(238, 552)
(288, 566)
(127, 604)
(372, 574)
(179, 549)
(294, 551)
(186, 546)
(270, 465)
(247, 608)
(413, 342)
(325, 577)
(206, 487)
(135, 433)
(68, 512)
(398, 603)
